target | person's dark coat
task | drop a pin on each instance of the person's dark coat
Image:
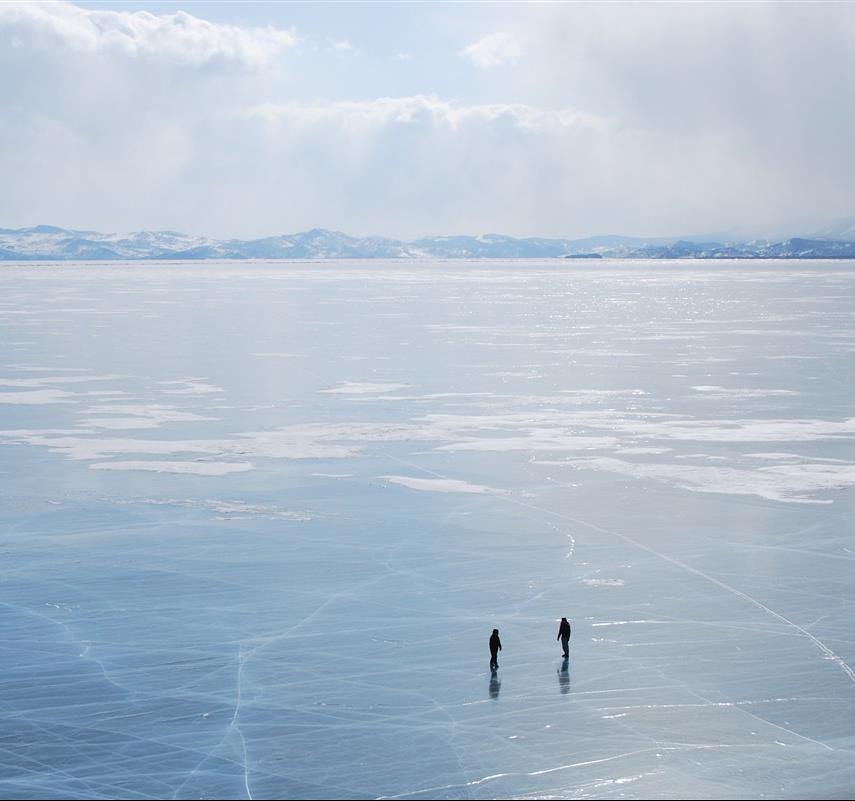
(564, 636)
(495, 647)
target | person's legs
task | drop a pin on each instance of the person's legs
(565, 644)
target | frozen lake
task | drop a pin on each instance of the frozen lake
(259, 520)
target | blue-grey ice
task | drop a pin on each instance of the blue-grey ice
(259, 520)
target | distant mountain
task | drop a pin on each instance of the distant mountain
(49, 243)
(840, 229)
(788, 249)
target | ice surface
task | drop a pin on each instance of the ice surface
(258, 522)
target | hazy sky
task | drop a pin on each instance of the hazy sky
(249, 119)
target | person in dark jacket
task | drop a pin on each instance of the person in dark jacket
(495, 647)
(564, 636)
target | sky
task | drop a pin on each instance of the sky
(415, 119)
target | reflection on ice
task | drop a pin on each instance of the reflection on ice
(564, 677)
(315, 490)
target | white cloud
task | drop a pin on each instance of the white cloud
(342, 47)
(624, 120)
(493, 51)
(179, 37)
(421, 109)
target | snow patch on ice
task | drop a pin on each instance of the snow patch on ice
(36, 382)
(235, 510)
(193, 468)
(790, 483)
(37, 397)
(364, 388)
(441, 485)
(744, 392)
(138, 416)
(190, 386)
(643, 450)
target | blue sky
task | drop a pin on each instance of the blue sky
(250, 119)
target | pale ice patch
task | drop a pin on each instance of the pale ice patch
(119, 423)
(640, 451)
(138, 416)
(364, 388)
(190, 386)
(294, 442)
(770, 430)
(37, 397)
(432, 396)
(28, 368)
(307, 441)
(236, 510)
(35, 382)
(604, 393)
(603, 582)
(743, 392)
(546, 430)
(193, 468)
(441, 485)
(126, 423)
(463, 328)
(788, 483)
(820, 475)
(499, 430)
(24, 435)
(538, 440)
(99, 448)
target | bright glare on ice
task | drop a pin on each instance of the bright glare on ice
(260, 520)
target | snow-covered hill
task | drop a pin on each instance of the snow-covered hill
(49, 243)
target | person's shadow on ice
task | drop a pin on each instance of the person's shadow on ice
(564, 677)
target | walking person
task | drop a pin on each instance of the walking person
(495, 647)
(564, 636)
